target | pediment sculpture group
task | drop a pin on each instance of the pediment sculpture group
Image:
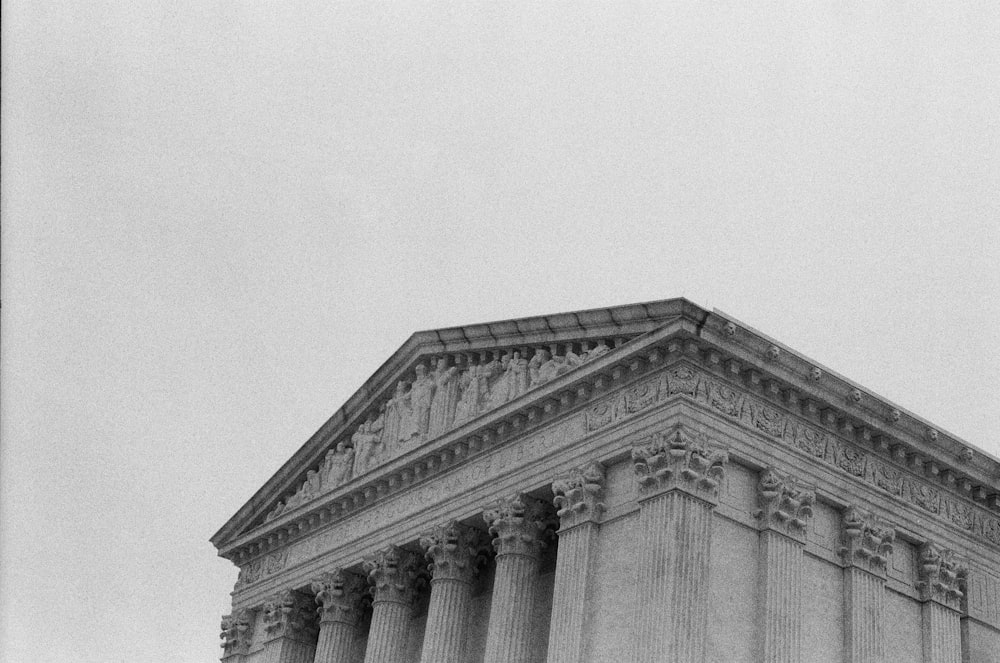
(433, 403)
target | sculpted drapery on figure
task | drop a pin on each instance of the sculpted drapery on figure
(421, 399)
(337, 466)
(446, 396)
(398, 418)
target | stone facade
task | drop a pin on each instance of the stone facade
(651, 482)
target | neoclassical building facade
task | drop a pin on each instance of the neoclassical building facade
(652, 483)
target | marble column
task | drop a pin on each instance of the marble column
(392, 572)
(785, 511)
(453, 550)
(237, 634)
(678, 474)
(517, 523)
(339, 594)
(578, 496)
(289, 619)
(867, 544)
(941, 581)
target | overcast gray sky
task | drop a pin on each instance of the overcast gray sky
(219, 218)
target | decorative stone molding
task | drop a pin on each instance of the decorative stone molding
(453, 549)
(785, 503)
(289, 614)
(941, 576)
(867, 541)
(578, 495)
(237, 633)
(393, 573)
(339, 594)
(679, 460)
(517, 523)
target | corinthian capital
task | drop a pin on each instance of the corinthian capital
(578, 495)
(517, 524)
(941, 575)
(679, 460)
(289, 614)
(867, 541)
(452, 549)
(785, 503)
(339, 595)
(237, 632)
(393, 575)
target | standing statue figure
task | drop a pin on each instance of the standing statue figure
(421, 398)
(446, 395)
(369, 449)
(500, 386)
(535, 368)
(518, 370)
(397, 418)
(474, 392)
(337, 466)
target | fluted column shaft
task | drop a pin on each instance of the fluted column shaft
(673, 578)
(517, 522)
(578, 495)
(867, 544)
(781, 591)
(392, 573)
(942, 634)
(785, 511)
(452, 549)
(570, 596)
(679, 474)
(336, 642)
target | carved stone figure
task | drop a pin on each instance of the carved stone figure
(398, 417)
(552, 366)
(500, 381)
(446, 396)
(369, 448)
(518, 381)
(421, 399)
(599, 350)
(337, 466)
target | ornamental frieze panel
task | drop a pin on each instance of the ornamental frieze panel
(793, 431)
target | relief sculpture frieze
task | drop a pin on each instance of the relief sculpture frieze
(758, 414)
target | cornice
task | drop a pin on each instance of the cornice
(712, 340)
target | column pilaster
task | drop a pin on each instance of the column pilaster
(453, 550)
(678, 475)
(784, 514)
(867, 544)
(237, 634)
(941, 581)
(578, 496)
(517, 523)
(289, 619)
(339, 594)
(393, 573)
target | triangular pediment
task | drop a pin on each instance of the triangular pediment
(437, 381)
(445, 387)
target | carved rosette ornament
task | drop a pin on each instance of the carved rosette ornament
(453, 549)
(941, 576)
(785, 503)
(289, 614)
(237, 633)
(393, 573)
(678, 460)
(578, 495)
(867, 541)
(517, 524)
(339, 594)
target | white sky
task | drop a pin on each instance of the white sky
(219, 218)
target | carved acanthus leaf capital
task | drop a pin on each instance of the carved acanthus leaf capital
(237, 633)
(867, 541)
(517, 524)
(289, 614)
(393, 575)
(680, 460)
(339, 594)
(941, 576)
(453, 550)
(785, 503)
(578, 495)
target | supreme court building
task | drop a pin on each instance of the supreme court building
(651, 482)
